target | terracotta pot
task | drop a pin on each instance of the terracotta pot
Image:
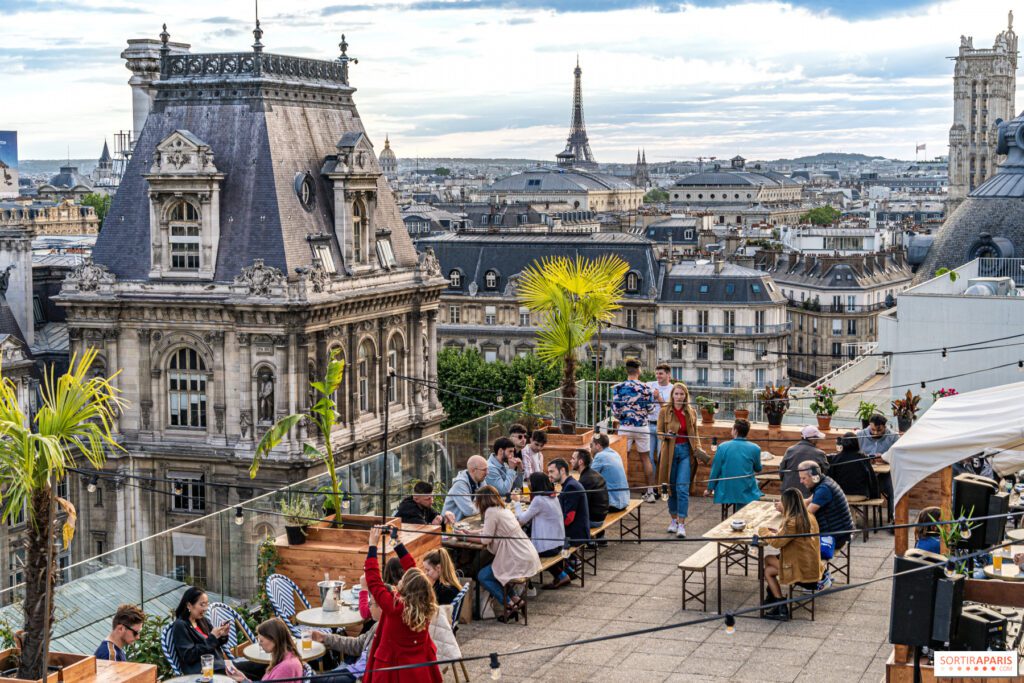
(707, 417)
(824, 422)
(741, 414)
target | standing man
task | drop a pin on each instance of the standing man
(805, 449)
(575, 514)
(875, 441)
(661, 391)
(736, 463)
(459, 503)
(503, 466)
(125, 629)
(608, 464)
(595, 486)
(632, 402)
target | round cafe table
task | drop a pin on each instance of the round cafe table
(1015, 534)
(192, 678)
(254, 653)
(345, 616)
(1010, 572)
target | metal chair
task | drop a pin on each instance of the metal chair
(170, 654)
(457, 604)
(221, 613)
(282, 592)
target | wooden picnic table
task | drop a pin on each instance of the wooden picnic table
(755, 515)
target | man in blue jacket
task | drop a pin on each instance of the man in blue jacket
(735, 464)
(576, 513)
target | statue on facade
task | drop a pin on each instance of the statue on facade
(245, 423)
(265, 395)
(5, 278)
(429, 263)
(260, 279)
(90, 276)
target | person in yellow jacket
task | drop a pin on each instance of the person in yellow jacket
(800, 558)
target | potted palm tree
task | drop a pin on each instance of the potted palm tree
(865, 409)
(574, 297)
(75, 419)
(824, 405)
(776, 403)
(905, 410)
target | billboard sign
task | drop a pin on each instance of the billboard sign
(8, 163)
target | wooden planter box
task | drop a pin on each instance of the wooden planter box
(125, 672)
(342, 552)
(563, 445)
(76, 668)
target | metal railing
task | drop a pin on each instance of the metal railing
(725, 330)
(1002, 267)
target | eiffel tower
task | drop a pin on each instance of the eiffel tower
(577, 148)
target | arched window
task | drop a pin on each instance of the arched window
(396, 362)
(491, 280)
(186, 389)
(358, 230)
(183, 221)
(455, 279)
(632, 281)
(364, 371)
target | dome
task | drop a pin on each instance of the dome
(69, 178)
(387, 154)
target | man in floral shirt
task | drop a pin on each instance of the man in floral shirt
(632, 403)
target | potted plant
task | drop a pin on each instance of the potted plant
(298, 513)
(865, 409)
(776, 403)
(824, 405)
(942, 393)
(739, 403)
(323, 415)
(707, 409)
(574, 297)
(905, 410)
(74, 420)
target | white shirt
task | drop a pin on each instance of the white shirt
(666, 394)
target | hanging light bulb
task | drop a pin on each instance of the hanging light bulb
(566, 553)
(91, 487)
(239, 519)
(177, 488)
(346, 502)
(730, 624)
(664, 489)
(495, 667)
(922, 385)
(965, 529)
(1020, 366)
(945, 355)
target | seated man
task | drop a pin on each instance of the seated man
(575, 514)
(875, 441)
(458, 504)
(357, 647)
(419, 507)
(732, 479)
(125, 629)
(595, 486)
(533, 454)
(503, 467)
(828, 504)
(608, 464)
(805, 449)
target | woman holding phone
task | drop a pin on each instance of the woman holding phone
(276, 640)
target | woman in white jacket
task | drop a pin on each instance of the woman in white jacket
(547, 526)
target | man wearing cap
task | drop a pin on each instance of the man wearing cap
(803, 450)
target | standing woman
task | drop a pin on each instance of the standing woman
(680, 450)
(402, 635)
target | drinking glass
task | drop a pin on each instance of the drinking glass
(307, 638)
(997, 562)
(207, 661)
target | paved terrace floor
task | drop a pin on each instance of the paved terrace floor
(638, 586)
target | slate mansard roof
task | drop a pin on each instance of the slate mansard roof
(264, 129)
(697, 282)
(559, 180)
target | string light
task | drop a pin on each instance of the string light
(664, 489)
(239, 519)
(177, 488)
(922, 385)
(965, 529)
(346, 502)
(495, 667)
(945, 354)
(730, 624)
(91, 487)
(1020, 366)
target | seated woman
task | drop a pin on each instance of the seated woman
(851, 469)
(401, 636)
(193, 636)
(927, 537)
(799, 560)
(393, 571)
(439, 568)
(276, 640)
(514, 554)
(547, 529)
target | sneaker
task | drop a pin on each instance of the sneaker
(649, 496)
(825, 583)
(681, 531)
(673, 527)
(778, 613)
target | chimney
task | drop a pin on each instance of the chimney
(809, 262)
(719, 264)
(142, 57)
(793, 258)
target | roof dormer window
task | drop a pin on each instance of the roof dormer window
(455, 279)
(491, 279)
(632, 282)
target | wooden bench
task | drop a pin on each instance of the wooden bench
(698, 563)
(839, 565)
(629, 523)
(870, 509)
(805, 603)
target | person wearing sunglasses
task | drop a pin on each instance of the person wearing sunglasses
(126, 627)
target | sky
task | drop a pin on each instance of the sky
(493, 78)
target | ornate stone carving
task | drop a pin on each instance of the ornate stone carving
(243, 338)
(111, 334)
(260, 279)
(473, 289)
(265, 396)
(5, 278)
(145, 407)
(245, 423)
(218, 412)
(318, 277)
(429, 263)
(213, 338)
(280, 340)
(144, 336)
(89, 276)
(512, 285)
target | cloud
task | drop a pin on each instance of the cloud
(21, 59)
(221, 20)
(13, 7)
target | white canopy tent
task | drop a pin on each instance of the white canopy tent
(957, 427)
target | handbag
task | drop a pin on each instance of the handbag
(828, 547)
(702, 457)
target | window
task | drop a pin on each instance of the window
(837, 304)
(837, 349)
(454, 315)
(485, 219)
(704, 288)
(755, 288)
(702, 321)
(524, 316)
(37, 311)
(676, 350)
(185, 229)
(837, 327)
(190, 569)
(759, 318)
(632, 282)
(396, 362)
(98, 543)
(760, 351)
(522, 219)
(490, 315)
(729, 377)
(688, 235)
(702, 350)
(18, 518)
(386, 254)
(728, 351)
(455, 279)
(62, 488)
(358, 230)
(533, 182)
(364, 367)
(702, 376)
(730, 288)
(16, 568)
(814, 325)
(677, 288)
(851, 351)
(186, 379)
(677, 373)
(193, 492)
(851, 327)
(851, 303)
(97, 497)
(631, 319)
(760, 377)
(729, 319)
(322, 252)
(490, 354)
(491, 280)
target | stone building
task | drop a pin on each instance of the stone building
(579, 189)
(479, 308)
(834, 302)
(739, 195)
(253, 236)
(43, 217)
(984, 92)
(388, 161)
(68, 184)
(722, 325)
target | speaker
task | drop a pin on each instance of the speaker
(913, 597)
(995, 528)
(971, 494)
(949, 602)
(980, 629)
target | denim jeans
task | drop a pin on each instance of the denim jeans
(486, 578)
(655, 446)
(679, 481)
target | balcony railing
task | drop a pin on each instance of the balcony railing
(1002, 267)
(725, 330)
(818, 307)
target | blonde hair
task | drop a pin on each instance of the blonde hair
(691, 414)
(443, 561)
(419, 604)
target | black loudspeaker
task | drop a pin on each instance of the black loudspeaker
(949, 602)
(971, 495)
(995, 528)
(913, 597)
(980, 629)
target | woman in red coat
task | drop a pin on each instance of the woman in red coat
(402, 635)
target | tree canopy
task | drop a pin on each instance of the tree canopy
(655, 195)
(822, 215)
(99, 202)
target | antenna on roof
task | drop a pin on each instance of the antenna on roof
(257, 32)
